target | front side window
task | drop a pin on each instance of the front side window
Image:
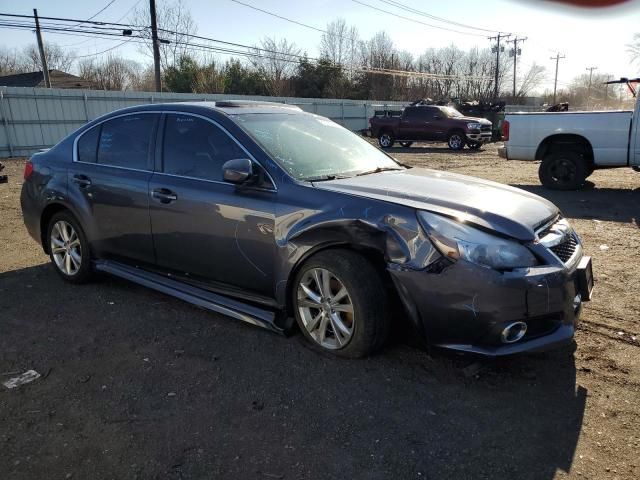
(310, 147)
(88, 145)
(194, 147)
(127, 141)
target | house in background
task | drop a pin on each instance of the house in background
(58, 79)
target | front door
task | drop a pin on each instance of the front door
(110, 176)
(203, 227)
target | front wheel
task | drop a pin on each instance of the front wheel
(68, 248)
(340, 303)
(563, 171)
(456, 141)
(386, 140)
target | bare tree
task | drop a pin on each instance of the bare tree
(634, 48)
(57, 57)
(276, 60)
(175, 24)
(112, 73)
(531, 80)
(210, 76)
(340, 44)
(11, 61)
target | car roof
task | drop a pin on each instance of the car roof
(228, 107)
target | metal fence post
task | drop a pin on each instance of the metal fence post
(86, 109)
(5, 120)
(342, 112)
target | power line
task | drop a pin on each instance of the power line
(412, 19)
(105, 51)
(280, 16)
(434, 17)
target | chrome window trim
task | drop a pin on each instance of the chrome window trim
(179, 112)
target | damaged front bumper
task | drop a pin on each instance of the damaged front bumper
(465, 307)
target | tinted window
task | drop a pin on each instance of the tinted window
(194, 147)
(127, 141)
(88, 145)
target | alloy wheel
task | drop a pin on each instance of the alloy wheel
(66, 248)
(455, 142)
(385, 140)
(563, 171)
(325, 308)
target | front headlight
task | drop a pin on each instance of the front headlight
(474, 126)
(457, 240)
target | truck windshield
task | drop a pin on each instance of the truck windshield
(310, 147)
(451, 112)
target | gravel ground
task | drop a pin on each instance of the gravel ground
(136, 384)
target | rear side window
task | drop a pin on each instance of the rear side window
(88, 145)
(196, 148)
(127, 141)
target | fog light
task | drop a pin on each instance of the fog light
(577, 300)
(513, 332)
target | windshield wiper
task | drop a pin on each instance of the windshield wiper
(324, 178)
(378, 170)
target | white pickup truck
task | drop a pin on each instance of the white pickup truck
(572, 145)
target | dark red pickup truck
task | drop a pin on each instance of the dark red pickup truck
(430, 123)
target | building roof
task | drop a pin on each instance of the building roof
(59, 79)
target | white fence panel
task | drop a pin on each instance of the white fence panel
(36, 118)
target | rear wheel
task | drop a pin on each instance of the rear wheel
(456, 141)
(68, 248)
(386, 139)
(406, 144)
(340, 304)
(474, 145)
(565, 170)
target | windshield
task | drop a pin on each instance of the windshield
(310, 147)
(451, 112)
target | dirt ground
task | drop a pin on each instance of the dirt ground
(136, 384)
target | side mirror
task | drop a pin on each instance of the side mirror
(238, 170)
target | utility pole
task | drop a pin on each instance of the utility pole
(156, 45)
(497, 50)
(43, 58)
(557, 58)
(514, 53)
(591, 69)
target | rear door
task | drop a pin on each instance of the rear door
(203, 227)
(113, 164)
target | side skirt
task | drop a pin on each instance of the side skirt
(194, 295)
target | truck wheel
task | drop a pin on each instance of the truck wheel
(456, 141)
(474, 146)
(386, 140)
(406, 144)
(563, 171)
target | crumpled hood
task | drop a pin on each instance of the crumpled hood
(510, 211)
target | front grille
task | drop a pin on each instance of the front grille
(564, 251)
(485, 128)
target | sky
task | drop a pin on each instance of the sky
(586, 39)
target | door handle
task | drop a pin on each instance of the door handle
(82, 181)
(164, 195)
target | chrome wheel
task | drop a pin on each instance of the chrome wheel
(385, 140)
(456, 142)
(65, 248)
(325, 308)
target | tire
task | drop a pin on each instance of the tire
(474, 146)
(565, 170)
(386, 139)
(406, 144)
(363, 312)
(456, 141)
(68, 248)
